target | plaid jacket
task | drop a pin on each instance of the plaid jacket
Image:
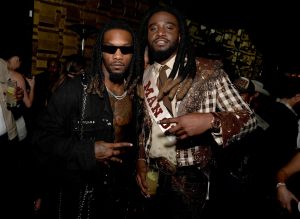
(211, 91)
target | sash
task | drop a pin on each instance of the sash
(157, 112)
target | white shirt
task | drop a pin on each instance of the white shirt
(2, 123)
(161, 145)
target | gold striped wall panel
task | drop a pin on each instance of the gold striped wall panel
(52, 36)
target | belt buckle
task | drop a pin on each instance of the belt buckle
(165, 166)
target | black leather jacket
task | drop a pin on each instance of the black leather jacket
(58, 145)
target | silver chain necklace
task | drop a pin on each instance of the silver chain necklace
(84, 98)
(117, 97)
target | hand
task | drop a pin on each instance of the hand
(141, 169)
(19, 94)
(188, 125)
(31, 81)
(104, 150)
(285, 197)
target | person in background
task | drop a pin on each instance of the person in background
(283, 120)
(286, 197)
(260, 102)
(22, 151)
(8, 129)
(21, 113)
(280, 141)
(256, 96)
(9, 144)
(74, 66)
(44, 83)
(14, 61)
(85, 141)
(191, 110)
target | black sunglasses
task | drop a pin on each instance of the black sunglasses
(112, 49)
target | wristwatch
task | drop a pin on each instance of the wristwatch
(215, 123)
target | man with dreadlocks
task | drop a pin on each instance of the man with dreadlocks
(85, 138)
(180, 138)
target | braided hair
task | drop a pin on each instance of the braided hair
(185, 62)
(96, 85)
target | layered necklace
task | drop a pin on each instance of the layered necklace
(117, 97)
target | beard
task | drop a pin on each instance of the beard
(116, 77)
(160, 56)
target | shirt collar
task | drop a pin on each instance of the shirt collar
(169, 63)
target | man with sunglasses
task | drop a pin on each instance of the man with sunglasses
(85, 140)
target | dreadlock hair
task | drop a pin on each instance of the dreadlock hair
(96, 85)
(185, 62)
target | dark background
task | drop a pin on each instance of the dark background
(16, 30)
(273, 27)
